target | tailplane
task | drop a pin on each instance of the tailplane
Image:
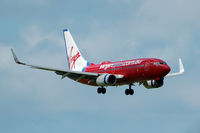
(76, 62)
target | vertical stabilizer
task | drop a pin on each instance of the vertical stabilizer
(76, 62)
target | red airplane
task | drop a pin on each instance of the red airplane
(149, 72)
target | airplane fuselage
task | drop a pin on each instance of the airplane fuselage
(136, 70)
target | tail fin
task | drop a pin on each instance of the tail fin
(76, 62)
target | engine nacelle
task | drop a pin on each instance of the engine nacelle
(106, 79)
(151, 84)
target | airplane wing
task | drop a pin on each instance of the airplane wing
(181, 70)
(64, 73)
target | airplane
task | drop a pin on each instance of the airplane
(149, 72)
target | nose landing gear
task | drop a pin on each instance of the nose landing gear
(129, 91)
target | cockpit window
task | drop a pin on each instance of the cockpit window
(164, 63)
(160, 63)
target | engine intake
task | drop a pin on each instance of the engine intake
(106, 79)
(150, 84)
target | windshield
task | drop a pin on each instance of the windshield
(160, 63)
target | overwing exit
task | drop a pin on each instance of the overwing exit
(149, 72)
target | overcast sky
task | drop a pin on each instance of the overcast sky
(36, 101)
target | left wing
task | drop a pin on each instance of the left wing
(64, 73)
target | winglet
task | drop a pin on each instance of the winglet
(15, 58)
(181, 70)
(181, 67)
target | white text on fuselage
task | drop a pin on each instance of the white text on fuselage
(127, 63)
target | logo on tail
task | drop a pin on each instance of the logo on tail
(73, 59)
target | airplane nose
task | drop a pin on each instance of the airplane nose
(166, 69)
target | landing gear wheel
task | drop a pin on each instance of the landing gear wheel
(99, 90)
(103, 90)
(127, 91)
(131, 91)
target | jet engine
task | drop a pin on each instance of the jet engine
(151, 84)
(106, 79)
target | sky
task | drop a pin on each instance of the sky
(39, 101)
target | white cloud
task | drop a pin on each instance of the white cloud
(33, 36)
(36, 35)
(5, 56)
(156, 29)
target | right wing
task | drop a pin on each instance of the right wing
(64, 73)
(181, 70)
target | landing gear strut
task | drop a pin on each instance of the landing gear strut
(129, 91)
(101, 90)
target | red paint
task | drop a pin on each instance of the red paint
(73, 59)
(142, 71)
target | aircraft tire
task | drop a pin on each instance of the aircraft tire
(99, 90)
(127, 92)
(131, 91)
(103, 90)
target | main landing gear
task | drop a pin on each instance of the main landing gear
(101, 90)
(129, 91)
